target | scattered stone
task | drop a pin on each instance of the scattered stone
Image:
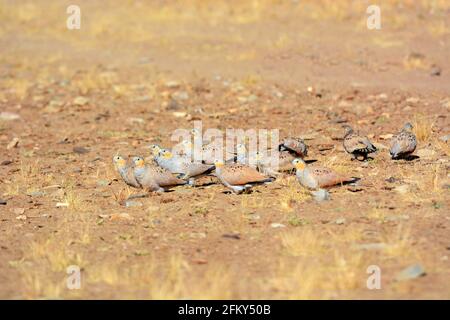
(62, 205)
(80, 101)
(180, 95)
(179, 114)
(277, 225)
(133, 120)
(36, 193)
(21, 217)
(340, 221)
(130, 203)
(172, 84)
(382, 96)
(412, 100)
(435, 71)
(391, 180)
(3, 202)
(235, 236)
(13, 144)
(411, 272)
(253, 217)
(80, 150)
(9, 116)
(426, 153)
(6, 162)
(403, 189)
(18, 211)
(321, 195)
(354, 188)
(445, 138)
(197, 235)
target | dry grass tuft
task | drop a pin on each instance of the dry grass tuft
(423, 128)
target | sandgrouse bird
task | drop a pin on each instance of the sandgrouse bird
(295, 146)
(239, 177)
(357, 145)
(183, 166)
(403, 143)
(154, 178)
(126, 171)
(315, 177)
(265, 164)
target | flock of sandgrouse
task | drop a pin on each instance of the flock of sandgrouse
(169, 168)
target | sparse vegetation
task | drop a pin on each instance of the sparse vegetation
(138, 70)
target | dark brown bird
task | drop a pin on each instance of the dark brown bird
(294, 145)
(357, 145)
(403, 143)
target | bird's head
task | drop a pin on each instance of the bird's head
(119, 161)
(166, 154)
(347, 129)
(299, 164)
(218, 163)
(186, 144)
(408, 126)
(138, 162)
(241, 149)
(154, 148)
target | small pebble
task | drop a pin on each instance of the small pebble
(80, 150)
(411, 272)
(9, 116)
(277, 225)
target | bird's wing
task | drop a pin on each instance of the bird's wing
(326, 177)
(241, 174)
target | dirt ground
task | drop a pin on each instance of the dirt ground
(138, 70)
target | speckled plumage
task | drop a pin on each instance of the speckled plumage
(154, 178)
(239, 177)
(403, 143)
(315, 177)
(356, 144)
(265, 165)
(294, 145)
(181, 165)
(125, 169)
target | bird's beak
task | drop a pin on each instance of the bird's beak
(218, 164)
(300, 165)
(139, 163)
(168, 155)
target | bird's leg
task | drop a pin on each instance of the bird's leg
(191, 182)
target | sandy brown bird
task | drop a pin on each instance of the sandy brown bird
(154, 178)
(315, 177)
(212, 151)
(403, 143)
(126, 171)
(294, 145)
(265, 164)
(239, 177)
(357, 145)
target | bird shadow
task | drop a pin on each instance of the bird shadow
(407, 158)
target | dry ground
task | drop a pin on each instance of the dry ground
(137, 70)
